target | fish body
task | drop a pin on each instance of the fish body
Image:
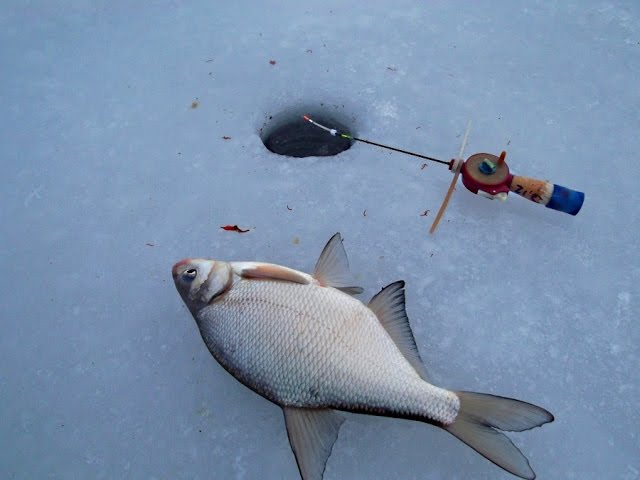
(316, 347)
(303, 342)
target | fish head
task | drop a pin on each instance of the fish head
(200, 281)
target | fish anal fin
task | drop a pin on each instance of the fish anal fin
(269, 271)
(332, 268)
(312, 433)
(388, 306)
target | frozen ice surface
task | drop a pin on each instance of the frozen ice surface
(114, 166)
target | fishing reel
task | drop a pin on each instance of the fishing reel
(488, 175)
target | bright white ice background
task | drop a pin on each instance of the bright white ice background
(109, 175)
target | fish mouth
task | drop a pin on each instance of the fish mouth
(174, 269)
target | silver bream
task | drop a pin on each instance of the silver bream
(303, 342)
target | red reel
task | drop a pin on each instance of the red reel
(487, 175)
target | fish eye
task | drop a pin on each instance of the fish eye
(190, 274)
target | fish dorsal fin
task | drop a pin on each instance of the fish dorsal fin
(332, 268)
(312, 433)
(388, 306)
(269, 271)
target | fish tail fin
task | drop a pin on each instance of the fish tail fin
(479, 420)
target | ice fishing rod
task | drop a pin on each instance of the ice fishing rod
(487, 175)
(335, 132)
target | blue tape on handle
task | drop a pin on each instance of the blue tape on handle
(566, 200)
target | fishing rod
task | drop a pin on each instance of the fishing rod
(486, 175)
(335, 132)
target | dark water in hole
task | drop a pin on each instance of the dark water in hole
(298, 138)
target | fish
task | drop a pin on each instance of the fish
(305, 343)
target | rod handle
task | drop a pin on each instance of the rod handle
(548, 194)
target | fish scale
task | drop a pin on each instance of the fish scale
(307, 345)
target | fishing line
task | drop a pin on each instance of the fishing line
(335, 132)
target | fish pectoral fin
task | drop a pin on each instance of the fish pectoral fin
(269, 271)
(388, 306)
(332, 268)
(312, 433)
